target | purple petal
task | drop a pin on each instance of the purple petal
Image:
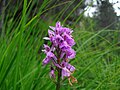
(46, 61)
(64, 46)
(69, 39)
(57, 65)
(51, 55)
(62, 55)
(47, 49)
(53, 28)
(58, 25)
(70, 53)
(65, 72)
(51, 36)
(52, 74)
(51, 33)
(67, 30)
(58, 28)
(63, 64)
(53, 48)
(59, 39)
(70, 67)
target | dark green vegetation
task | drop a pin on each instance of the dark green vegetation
(26, 23)
(106, 16)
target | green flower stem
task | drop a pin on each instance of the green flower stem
(59, 76)
(58, 79)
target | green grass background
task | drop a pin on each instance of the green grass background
(97, 59)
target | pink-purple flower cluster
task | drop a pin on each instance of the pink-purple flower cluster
(60, 52)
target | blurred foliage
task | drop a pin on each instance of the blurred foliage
(105, 15)
(25, 24)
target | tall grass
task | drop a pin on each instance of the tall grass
(97, 60)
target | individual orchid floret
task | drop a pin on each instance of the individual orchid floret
(59, 39)
(46, 61)
(67, 69)
(70, 53)
(67, 30)
(60, 53)
(52, 72)
(68, 39)
(49, 55)
(64, 46)
(47, 49)
(51, 35)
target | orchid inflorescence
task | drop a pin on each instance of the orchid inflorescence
(60, 52)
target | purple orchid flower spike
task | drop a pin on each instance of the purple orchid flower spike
(60, 53)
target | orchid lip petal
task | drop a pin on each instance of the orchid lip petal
(58, 24)
(46, 61)
(52, 74)
(53, 28)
